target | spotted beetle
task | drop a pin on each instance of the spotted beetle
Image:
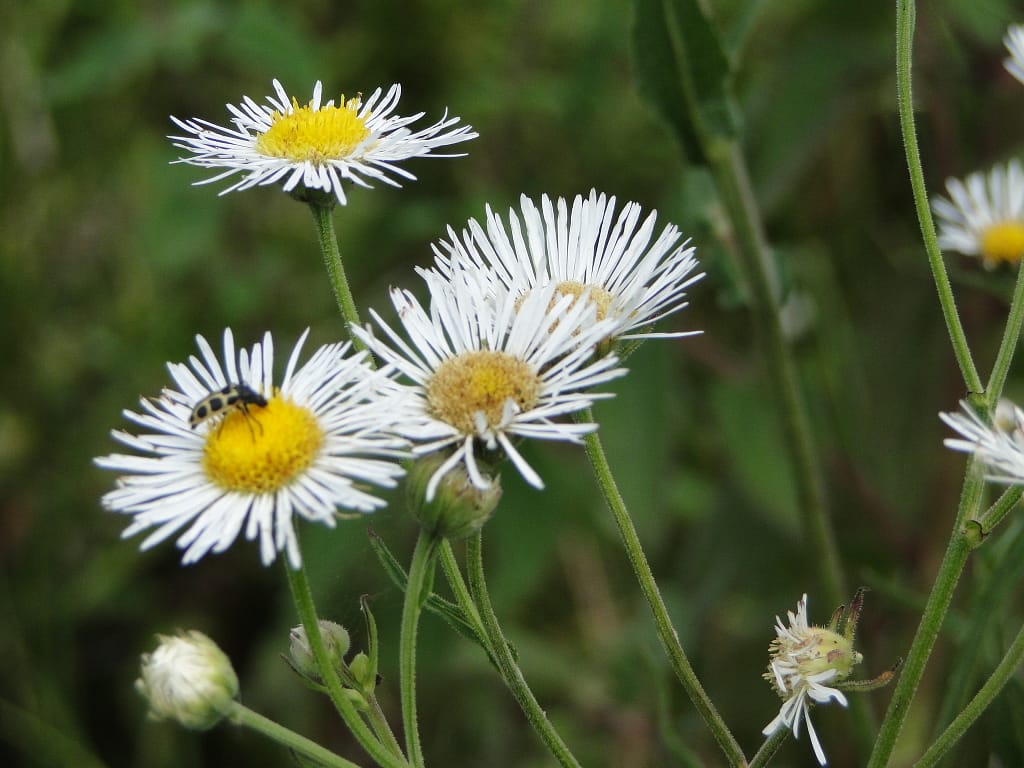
(231, 398)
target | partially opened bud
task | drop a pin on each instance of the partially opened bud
(188, 679)
(336, 642)
(458, 508)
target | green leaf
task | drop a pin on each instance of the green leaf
(371, 634)
(446, 609)
(684, 71)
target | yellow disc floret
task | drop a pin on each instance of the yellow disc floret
(315, 136)
(601, 299)
(262, 449)
(811, 652)
(1003, 241)
(481, 382)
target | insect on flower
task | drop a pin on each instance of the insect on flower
(233, 397)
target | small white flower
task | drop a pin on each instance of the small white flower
(1014, 41)
(485, 372)
(188, 679)
(985, 215)
(318, 145)
(307, 452)
(803, 659)
(999, 447)
(633, 281)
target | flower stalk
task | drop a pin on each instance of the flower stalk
(323, 218)
(502, 654)
(956, 729)
(663, 623)
(417, 589)
(303, 597)
(957, 552)
(243, 716)
(734, 189)
(1008, 345)
(905, 15)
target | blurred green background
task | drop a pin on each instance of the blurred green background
(112, 261)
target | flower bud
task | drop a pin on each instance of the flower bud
(363, 672)
(458, 508)
(188, 679)
(336, 641)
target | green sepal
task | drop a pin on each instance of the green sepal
(371, 641)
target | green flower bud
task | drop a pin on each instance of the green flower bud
(363, 673)
(188, 679)
(336, 641)
(458, 508)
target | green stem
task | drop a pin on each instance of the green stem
(241, 715)
(729, 170)
(461, 592)
(961, 543)
(381, 727)
(1011, 335)
(666, 632)
(303, 598)
(417, 589)
(322, 215)
(1000, 677)
(1002, 506)
(769, 748)
(905, 13)
(735, 191)
(507, 666)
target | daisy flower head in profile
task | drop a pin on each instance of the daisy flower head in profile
(633, 278)
(999, 446)
(1014, 42)
(316, 146)
(225, 450)
(803, 659)
(811, 665)
(486, 371)
(984, 215)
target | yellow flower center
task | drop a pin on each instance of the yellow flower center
(1003, 242)
(480, 382)
(315, 136)
(264, 449)
(601, 298)
(814, 650)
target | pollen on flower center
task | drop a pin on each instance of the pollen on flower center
(1003, 242)
(263, 450)
(808, 653)
(481, 382)
(308, 135)
(601, 298)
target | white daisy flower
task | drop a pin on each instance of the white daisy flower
(1000, 446)
(303, 448)
(1014, 41)
(485, 372)
(318, 145)
(631, 279)
(803, 659)
(985, 215)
